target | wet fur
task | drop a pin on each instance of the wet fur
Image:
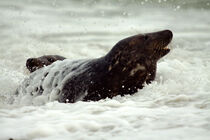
(33, 64)
(126, 68)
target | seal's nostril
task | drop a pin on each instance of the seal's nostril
(169, 33)
(29, 60)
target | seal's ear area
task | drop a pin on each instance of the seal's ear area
(146, 37)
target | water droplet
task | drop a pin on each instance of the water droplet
(124, 13)
(67, 100)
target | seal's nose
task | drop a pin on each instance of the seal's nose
(168, 33)
(31, 65)
(29, 62)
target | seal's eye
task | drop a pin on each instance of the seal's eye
(146, 37)
(50, 60)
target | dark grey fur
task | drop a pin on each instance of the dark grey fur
(124, 70)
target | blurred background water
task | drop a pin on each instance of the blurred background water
(175, 106)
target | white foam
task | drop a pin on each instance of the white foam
(45, 84)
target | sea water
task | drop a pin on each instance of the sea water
(175, 106)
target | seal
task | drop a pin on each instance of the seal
(33, 64)
(126, 68)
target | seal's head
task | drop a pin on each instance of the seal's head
(33, 64)
(148, 47)
(151, 46)
(135, 58)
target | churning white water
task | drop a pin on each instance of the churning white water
(175, 106)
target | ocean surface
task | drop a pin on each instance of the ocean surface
(175, 106)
